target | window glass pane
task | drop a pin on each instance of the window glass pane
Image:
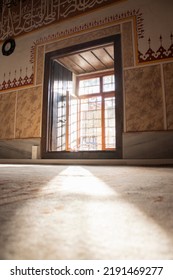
(73, 124)
(90, 124)
(109, 83)
(110, 123)
(89, 86)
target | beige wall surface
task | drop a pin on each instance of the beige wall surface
(7, 115)
(20, 114)
(28, 113)
(144, 102)
(147, 57)
(168, 76)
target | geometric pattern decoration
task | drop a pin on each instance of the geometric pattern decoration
(161, 53)
(9, 83)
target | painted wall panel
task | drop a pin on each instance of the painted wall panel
(168, 79)
(7, 115)
(28, 113)
(143, 95)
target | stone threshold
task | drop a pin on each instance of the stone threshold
(111, 162)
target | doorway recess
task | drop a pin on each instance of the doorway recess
(82, 103)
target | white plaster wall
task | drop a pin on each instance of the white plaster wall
(158, 20)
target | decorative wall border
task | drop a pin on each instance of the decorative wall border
(160, 54)
(149, 56)
(23, 80)
(135, 14)
(91, 25)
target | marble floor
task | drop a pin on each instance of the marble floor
(85, 212)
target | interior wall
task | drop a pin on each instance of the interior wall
(147, 48)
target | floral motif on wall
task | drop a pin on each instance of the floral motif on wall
(23, 80)
(161, 52)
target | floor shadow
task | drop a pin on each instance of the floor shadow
(150, 189)
(20, 184)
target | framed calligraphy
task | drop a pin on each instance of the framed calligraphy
(28, 15)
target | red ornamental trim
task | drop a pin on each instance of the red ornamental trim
(161, 53)
(26, 81)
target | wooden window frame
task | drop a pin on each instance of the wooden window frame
(101, 94)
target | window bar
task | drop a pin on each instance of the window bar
(78, 122)
(67, 120)
(102, 114)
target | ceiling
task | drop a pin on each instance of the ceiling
(88, 61)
